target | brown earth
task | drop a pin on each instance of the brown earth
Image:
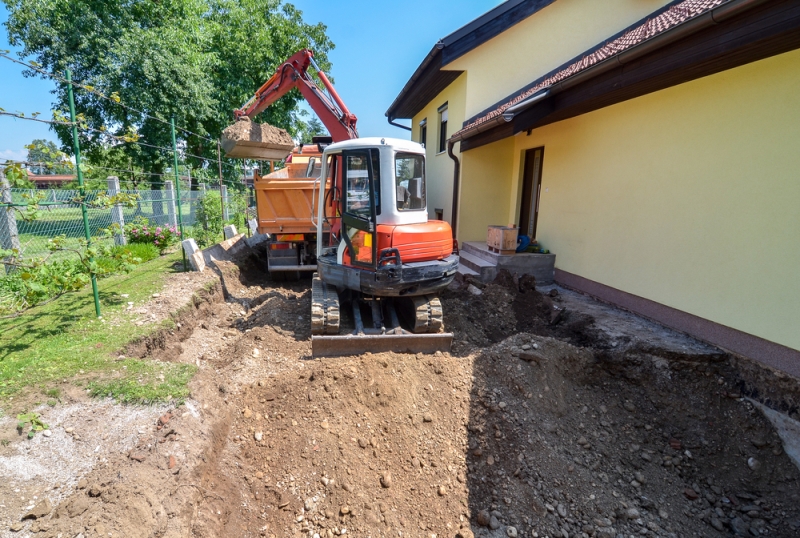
(544, 420)
(245, 129)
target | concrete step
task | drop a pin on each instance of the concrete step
(485, 269)
(466, 271)
(480, 250)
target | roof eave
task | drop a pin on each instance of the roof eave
(693, 25)
(426, 62)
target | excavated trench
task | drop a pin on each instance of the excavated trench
(540, 422)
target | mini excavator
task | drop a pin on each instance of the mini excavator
(353, 210)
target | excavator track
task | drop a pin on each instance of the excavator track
(428, 336)
(429, 316)
(324, 308)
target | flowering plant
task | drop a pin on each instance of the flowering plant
(143, 231)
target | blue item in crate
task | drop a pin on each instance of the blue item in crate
(523, 242)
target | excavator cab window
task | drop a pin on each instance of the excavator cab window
(357, 190)
(360, 200)
(409, 172)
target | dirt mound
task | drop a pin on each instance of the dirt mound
(248, 139)
(481, 314)
(538, 424)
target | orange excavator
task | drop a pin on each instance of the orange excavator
(353, 210)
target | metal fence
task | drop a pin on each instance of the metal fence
(60, 214)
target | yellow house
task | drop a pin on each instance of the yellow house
(653, 146)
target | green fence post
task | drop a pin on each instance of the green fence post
(77, 149)
(178, 187)
(221, 199)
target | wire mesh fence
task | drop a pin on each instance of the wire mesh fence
(60, 214)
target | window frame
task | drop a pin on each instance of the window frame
(421, 159)
(443, 117)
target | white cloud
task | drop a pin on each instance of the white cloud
(13, 154)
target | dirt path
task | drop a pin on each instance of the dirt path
(554, 416)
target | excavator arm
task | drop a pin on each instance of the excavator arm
(293, 73)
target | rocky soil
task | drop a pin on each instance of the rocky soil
(246, 130)
(544, 421)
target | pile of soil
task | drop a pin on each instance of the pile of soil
(538, 424)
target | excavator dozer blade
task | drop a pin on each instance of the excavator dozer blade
(344, 345)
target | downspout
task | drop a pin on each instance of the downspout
(456, 183)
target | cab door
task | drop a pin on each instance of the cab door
(360, 197)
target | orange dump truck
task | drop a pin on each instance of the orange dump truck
(287, 205)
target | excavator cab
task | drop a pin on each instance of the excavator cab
(381, 241)
(378, 251)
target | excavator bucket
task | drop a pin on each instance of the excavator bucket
(248, 140)
(338, 346)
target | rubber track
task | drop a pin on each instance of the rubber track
(324, 308)
(429, 316)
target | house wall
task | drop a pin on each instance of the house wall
(687, 197)
(486, 188)
(439, 164)
(542, 42)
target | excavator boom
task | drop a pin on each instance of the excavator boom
(293, 73)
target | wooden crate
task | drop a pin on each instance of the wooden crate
(502, 239)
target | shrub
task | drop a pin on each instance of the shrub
(27, 287)
(40, 280)
(143, 231)
(142, 251)
(208, 229)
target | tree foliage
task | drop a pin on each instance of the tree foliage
(196, 60)
(44, 158)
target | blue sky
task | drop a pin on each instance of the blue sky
(378, 47)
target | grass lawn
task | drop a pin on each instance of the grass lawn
(63, 341)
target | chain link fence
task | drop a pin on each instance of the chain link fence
(60, 214)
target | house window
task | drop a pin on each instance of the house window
(423, 131)
(442, 127)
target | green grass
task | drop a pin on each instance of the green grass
(63, 340)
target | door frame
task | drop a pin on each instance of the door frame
(532, 165)
(357, 222)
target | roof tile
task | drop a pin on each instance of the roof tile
(675, 15)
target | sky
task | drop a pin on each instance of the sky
(379, 44)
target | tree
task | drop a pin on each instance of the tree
(196, 60)
(41, 154)
(311, 129)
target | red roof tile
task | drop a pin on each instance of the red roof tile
(52, 177)
(675, 15)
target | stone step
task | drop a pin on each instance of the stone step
(485, 269)
(466, 271)
(481, 250)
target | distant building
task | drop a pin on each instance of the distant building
(52, 181)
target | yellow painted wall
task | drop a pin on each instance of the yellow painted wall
(440, 165)
(689, 197)
(486, 188)
(546, 40)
